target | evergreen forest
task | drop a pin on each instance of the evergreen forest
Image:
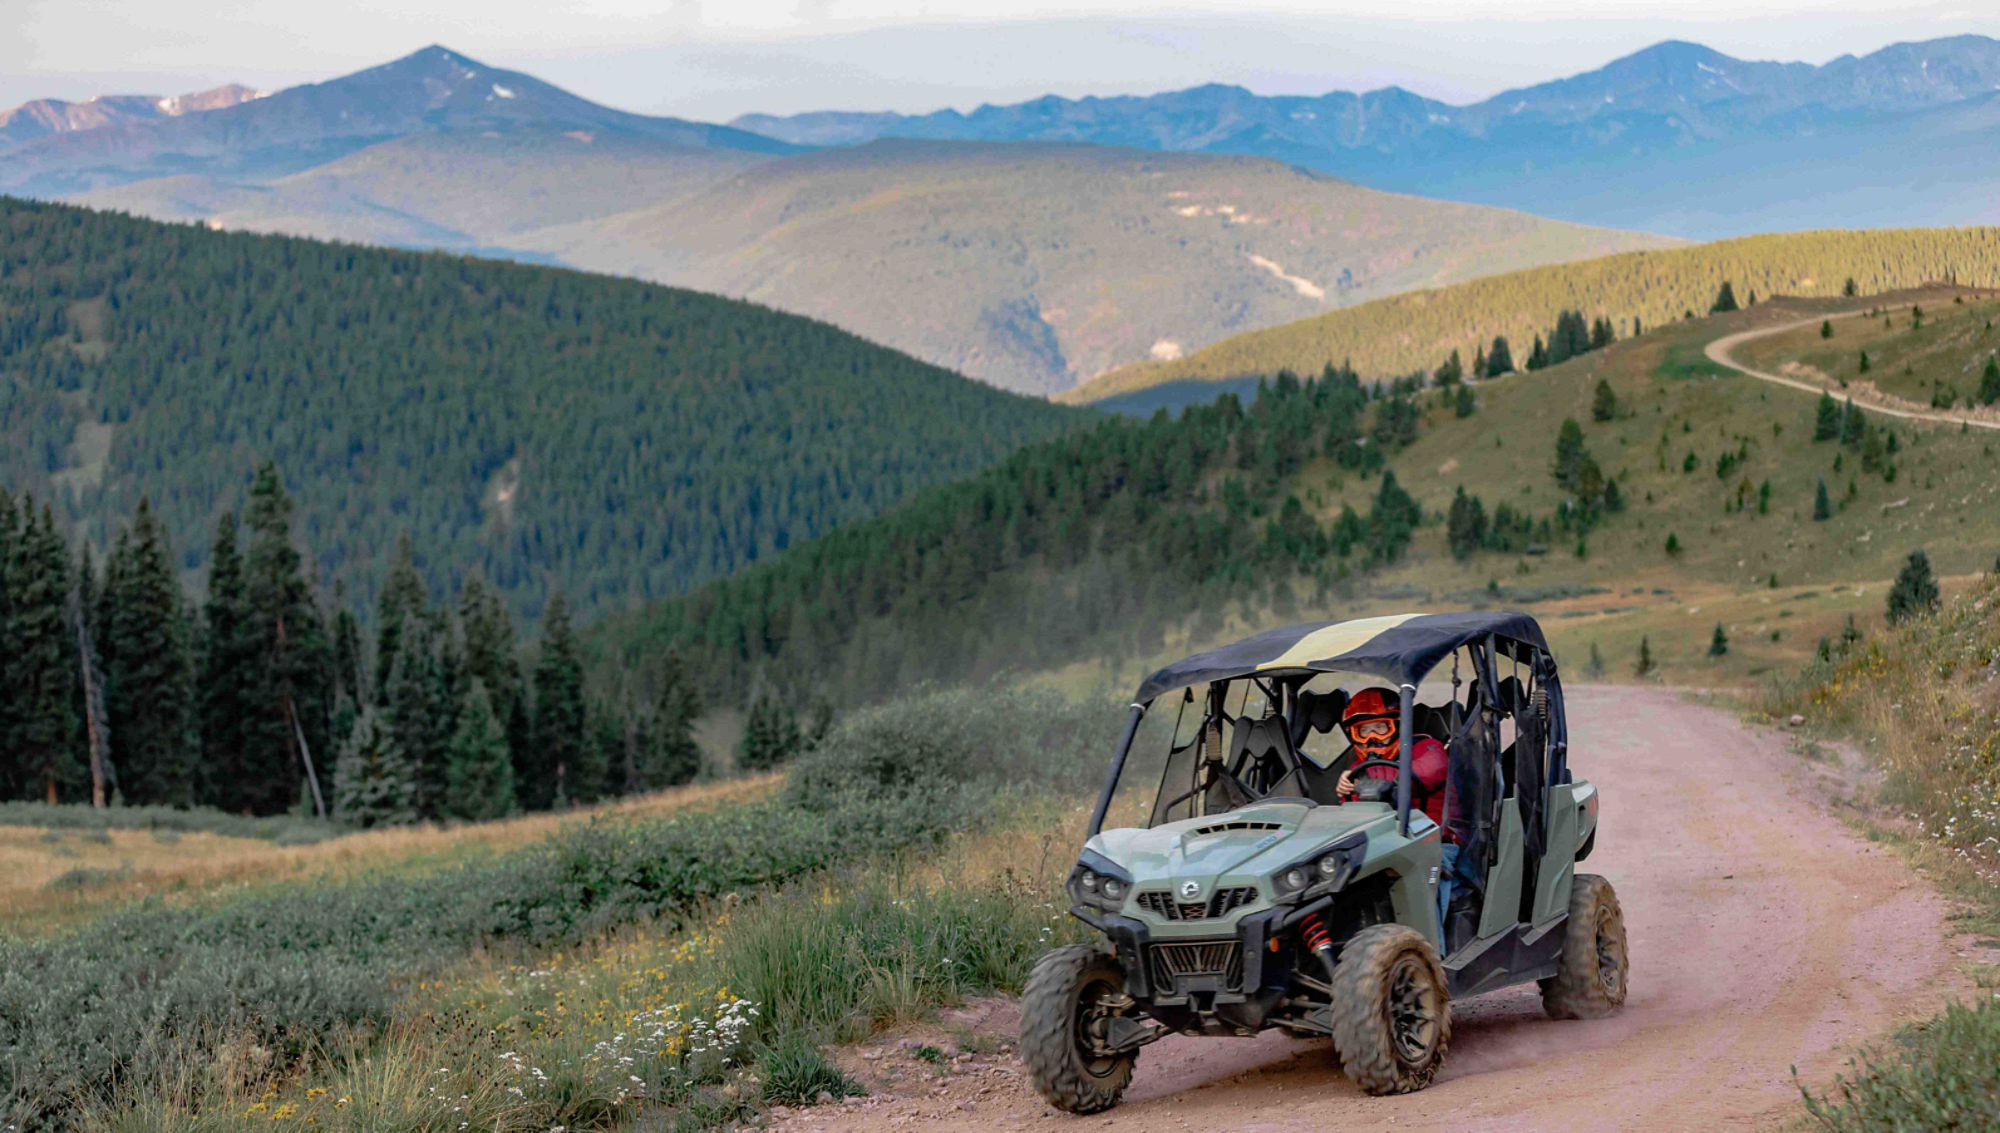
(535, 428)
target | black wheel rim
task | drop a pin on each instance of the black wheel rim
(1092, 1017)
(1413, 1010)
(1610, 957)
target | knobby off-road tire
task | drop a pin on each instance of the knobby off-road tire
(1591, 982)
(1391, 1010)
(1060, 991)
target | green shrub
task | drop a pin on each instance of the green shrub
(945, 739)
(286, 830)
(1944, 1074)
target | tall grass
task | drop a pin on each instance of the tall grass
(159, 1017)
(1925, 700)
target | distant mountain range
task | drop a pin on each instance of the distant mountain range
(46, 116)
(434, 90)
(1030, 266)
(1677, 138)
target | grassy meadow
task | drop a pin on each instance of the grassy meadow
(1415, 330)
(678, 958)
(1776, 579)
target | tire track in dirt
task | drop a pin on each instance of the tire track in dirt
(1764, 934)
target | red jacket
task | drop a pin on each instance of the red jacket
(1428, 767)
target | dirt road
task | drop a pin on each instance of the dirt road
(1721, 352)
(1764, 934)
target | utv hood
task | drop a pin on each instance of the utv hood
(1255, 840)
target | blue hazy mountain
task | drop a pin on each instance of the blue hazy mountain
(1677, 138)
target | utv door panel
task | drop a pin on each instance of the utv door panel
(1559, 860)
(1503, 882)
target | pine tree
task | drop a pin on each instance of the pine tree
(1604, 403)
(1725, 300)
(1989, 382)
(1500, 359)
(1853, 426)
(149, 669)
(1595, 668)
(770, 734)
(403, 596)
(1465, 525)
(1673, 544)
(1915, 591)
(1450, 373)
(487, 630)
(1826, 328)
(674, 757)
(559, 718)
(1826, 423)
(1644, 665)
(1848, 289)
(480, 778)
(1392, 519)
(41, 662)
(422, 711)
(12, 773)
(373, 781)
(1864, 362)
(349, 670)
(1718, 643)
(1602, 334)
(1478, 361)
(288, 692)
(1463, 403)
(226, 660)
(1538, 359)
(1569, 454)
(1822, 503)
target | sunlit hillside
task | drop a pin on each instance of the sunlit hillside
(1416, 330)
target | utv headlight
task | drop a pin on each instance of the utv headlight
(1328, 868)
(1097, 882)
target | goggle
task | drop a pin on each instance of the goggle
(1372, 729)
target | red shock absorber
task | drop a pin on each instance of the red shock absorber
(1312, 930)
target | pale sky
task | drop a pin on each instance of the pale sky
(713, 59)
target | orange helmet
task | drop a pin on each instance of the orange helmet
(1369, 706)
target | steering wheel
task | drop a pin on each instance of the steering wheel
(1369, 789)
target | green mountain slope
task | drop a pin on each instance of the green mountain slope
(1416, 330)
(542, 428)
(1099, 553)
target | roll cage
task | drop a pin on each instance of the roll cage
(1501, 666)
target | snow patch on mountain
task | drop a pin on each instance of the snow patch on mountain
(1305, 287)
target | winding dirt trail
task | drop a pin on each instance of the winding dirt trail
(1721, 352)
(1764, 934)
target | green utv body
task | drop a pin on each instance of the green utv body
(1251, 896)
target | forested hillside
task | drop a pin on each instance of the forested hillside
(533, 428)
(1614, 485)
(1635, 290)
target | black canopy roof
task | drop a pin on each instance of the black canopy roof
(1399, 648)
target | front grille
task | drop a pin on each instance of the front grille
(1161, 903)
(1212, 959)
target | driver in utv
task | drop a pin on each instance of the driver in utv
(1372, 723)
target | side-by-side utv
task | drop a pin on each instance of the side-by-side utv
(1273, 878)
